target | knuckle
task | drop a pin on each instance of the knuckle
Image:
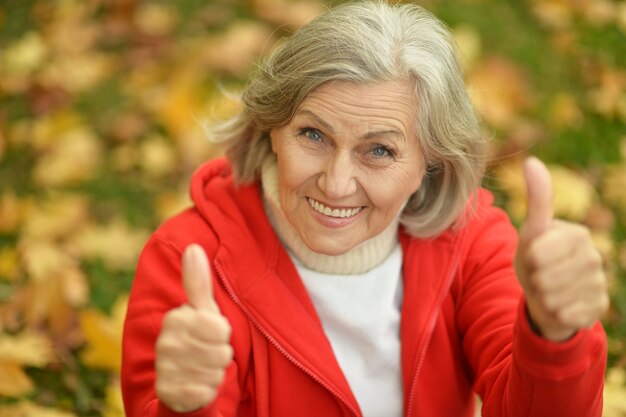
(163, 388)
(216, 377)
(224, 355)
(539, 283)
(176, 318)
(165, 345)
(532, 258)
(548, 301)
(604, 304)
(594, 260)
(581, 233)
(564, 316)
(221, 328)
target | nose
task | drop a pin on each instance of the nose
(338, 179)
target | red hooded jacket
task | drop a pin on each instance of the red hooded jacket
(463, 323)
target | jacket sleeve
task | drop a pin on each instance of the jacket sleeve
(157, 288)
(516, 372)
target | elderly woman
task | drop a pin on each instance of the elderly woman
(343, 261)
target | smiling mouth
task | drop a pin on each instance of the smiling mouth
(338, 213)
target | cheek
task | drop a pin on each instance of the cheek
(295, 173)
(390, 192)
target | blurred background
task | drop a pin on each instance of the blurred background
(101, 106)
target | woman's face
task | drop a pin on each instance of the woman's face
(347, 162)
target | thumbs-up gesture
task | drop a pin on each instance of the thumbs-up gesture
(193, 349)
(557, 265)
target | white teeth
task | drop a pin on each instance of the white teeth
(341, 213)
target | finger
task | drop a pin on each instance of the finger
(197, 279)
(580, 315)
(210, 328)
(539, 197)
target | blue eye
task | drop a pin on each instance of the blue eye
(313, 134)
(381, 151)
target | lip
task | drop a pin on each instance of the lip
(334, 222)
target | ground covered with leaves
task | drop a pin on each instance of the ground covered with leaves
(101, 103)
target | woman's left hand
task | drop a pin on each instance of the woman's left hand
(557, 265)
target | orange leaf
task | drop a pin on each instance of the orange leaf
(499, 91)
(13, 211)
(292, 14)
(13, 381)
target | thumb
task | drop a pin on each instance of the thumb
(539, 197)
(197, 279)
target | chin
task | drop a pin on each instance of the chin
(331, 248)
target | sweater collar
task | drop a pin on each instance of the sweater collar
(358, 260)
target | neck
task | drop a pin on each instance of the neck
(357, 260)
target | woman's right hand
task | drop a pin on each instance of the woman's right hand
(193, 348)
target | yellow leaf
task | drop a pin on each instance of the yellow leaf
(79, 72)
(9, 264)
(157, 156)
(13, 381)
(599, 12)
(510, 179)
(56, 288)
(26, 348)
(499, 91)
(13, 211)
(24, 56)
(556, 14)
(604, 243)
(56, 216)
(3, 143)
(43, 134)
(114, 404)
(291, 14)
(74, 158)
(609, 97)
(565, 112)
(169, 203)
(614, 186)
(104, 336)
(469, 42)
(124, 157)
(573, 194)
(621, 16)
(28, 409)
(237, 49)
(155, 19)
(181, 101)
(615, 393)
(115, 243)
(43, 259)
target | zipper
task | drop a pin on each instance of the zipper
(274, 342)
(431, 328)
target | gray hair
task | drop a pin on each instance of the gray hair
(367, 42)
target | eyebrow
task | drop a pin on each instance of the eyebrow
(318, 119)
(368, 135)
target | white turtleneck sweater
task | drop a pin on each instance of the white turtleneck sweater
(357, 296)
